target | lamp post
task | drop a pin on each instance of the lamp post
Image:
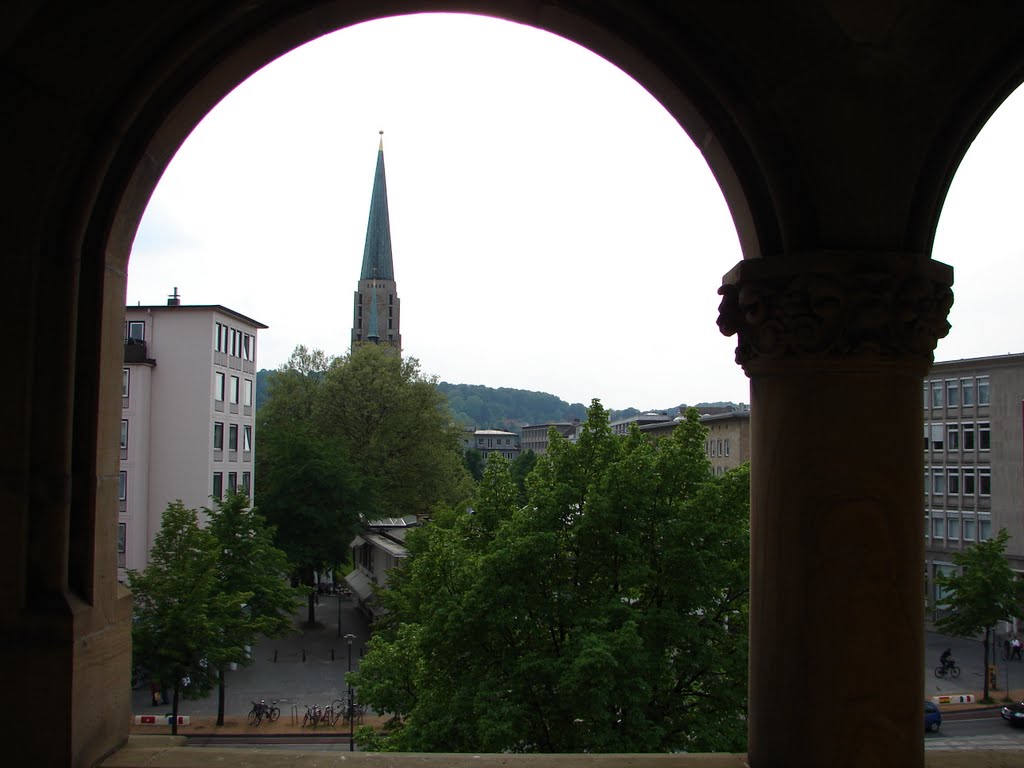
(351, 724)
(338, 591)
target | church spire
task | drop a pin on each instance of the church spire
(377, 263)
(376, 310)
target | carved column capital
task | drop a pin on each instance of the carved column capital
(836, 306)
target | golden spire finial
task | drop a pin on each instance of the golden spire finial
(380, 147)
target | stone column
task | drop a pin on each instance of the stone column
(836, 345)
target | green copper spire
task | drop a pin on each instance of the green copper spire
(377, 251)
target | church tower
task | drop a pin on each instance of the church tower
(376, 313)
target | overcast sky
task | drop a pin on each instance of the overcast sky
(553, 228)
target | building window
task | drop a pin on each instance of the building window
(967, 387)
(124, 434)
(233, 392)
(727, 446)
(985, 481)
(968, 437)
(224, 338)
(983, 393)
(952, 393)
(925, 393)
(122, 485)
(984, 528)
(938, 482)
(218, 436)
(953, 481)
(247, 437)
(218, 387)
(216, 337)
(968, 478)
(936, 394)
(247, 390)
(937, 437)
(126, 378)
(137, 330)
(953, 528)
(953, 437)
(122, 544)
(247, 483)
(938, 527)
(232, 437)
(218, 485)
(984, 436)
(968, 527)
(232, 482)
(247, 347)
(234, 343)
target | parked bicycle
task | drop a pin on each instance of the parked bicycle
(261, 710)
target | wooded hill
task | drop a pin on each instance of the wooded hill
(475, 405)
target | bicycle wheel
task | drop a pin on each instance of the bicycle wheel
(940, 671)
(305, 720)
(253, 717)
(954, 672)
(275, 712)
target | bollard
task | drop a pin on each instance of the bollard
(332, 654)
(275, 655)
(303, 654)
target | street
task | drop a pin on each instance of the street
(975, 730)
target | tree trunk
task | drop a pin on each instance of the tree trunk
(220, 695)
(174, 708)
(985, 697)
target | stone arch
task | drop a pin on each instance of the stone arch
(834, 130)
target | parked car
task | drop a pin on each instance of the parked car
(932, 717)
(1013, 713)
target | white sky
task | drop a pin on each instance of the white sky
(553, 228)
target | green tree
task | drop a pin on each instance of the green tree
(397, 430)
(184, 618)
(308, 488)
(474, 461)
(983, 591)
(521, 467)
(608, 614)
(248, 562)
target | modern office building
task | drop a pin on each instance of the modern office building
(973, 459)
(535, 437)
(376, 313)
(728, 441)
(187, 415)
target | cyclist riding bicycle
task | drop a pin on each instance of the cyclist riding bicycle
(946, 659)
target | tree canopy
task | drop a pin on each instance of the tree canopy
(607, 614)
(363, 434)
(184, 618)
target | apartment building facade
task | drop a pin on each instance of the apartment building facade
(973, 460)
(187, 415)
(378, 548)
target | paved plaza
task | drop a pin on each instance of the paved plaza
(306, 667)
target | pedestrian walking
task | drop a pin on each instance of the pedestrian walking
(1015, 648)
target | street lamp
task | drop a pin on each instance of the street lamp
(339, 611)
(351, 723)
